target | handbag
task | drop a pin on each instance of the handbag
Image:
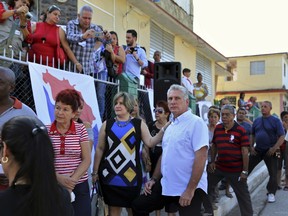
(60, 53)
(98, 206)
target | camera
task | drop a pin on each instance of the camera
(99, 34)
(133, 49)
(29, 15)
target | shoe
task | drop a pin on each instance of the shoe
(271, 198)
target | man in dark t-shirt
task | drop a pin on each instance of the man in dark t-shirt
(268, 134)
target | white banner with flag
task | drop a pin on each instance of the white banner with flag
(47, 82)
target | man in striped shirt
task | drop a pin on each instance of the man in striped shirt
(231, 145)
(82, 36)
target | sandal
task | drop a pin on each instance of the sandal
(285, 188)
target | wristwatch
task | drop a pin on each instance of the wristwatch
(245, 172)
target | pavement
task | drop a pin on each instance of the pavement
(278, 208)
(257, 182)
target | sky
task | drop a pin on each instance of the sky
(242, 27)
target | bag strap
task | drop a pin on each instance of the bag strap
(57, 38)
(13, 29)
(266, 130)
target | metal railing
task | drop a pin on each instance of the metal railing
(23, 88)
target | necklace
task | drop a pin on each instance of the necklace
(121, 123)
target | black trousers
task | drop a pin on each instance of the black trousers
(271, 164)
(143, 205)
(240, 188)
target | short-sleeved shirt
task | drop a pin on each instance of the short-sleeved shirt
(229, 144)
(187, 83)
(247, 126)
(187, 134)
(131, 66)
(266, 130)
(68, 155)
(18, 109)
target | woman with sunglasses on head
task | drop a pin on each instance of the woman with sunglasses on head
(117, 52)
(72, 150)
(44, 43)
(27, 159)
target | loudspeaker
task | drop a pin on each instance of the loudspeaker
(165, 75)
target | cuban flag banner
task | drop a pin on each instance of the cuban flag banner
(47, 82)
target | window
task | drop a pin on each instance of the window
(257, 67)
(162, 41)
(284, 70)
(203, 66)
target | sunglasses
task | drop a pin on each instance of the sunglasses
(52, 8)
(160, 111)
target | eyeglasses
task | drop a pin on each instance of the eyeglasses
(160, 111)
(52, 8)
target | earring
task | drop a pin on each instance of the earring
(4, 159)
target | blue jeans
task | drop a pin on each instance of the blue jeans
(100, 91)
(82, 203)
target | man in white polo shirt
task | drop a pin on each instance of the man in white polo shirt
(184, 178)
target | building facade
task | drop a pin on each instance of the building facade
(264, 76)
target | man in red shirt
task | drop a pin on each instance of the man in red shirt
(231, 145)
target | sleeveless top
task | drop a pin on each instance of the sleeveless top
(44, 44)
(119, 66)
(120, 165)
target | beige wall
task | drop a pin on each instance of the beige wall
(272, 79)
(119, 16)
(273, 97)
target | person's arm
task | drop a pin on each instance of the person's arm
(121, 57)
(67, 49)
(155, 177)
(197, 171)
(148, 72)
(245, 158)
(212, 165)
(99, 151)
(5, 14)
(86, 160)
(148, 139)
(90, 133)
(75, 37)
(157, 171)
(277, 145)
(206, 91)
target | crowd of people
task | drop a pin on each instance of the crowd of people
(174, 162)
(84, 47)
